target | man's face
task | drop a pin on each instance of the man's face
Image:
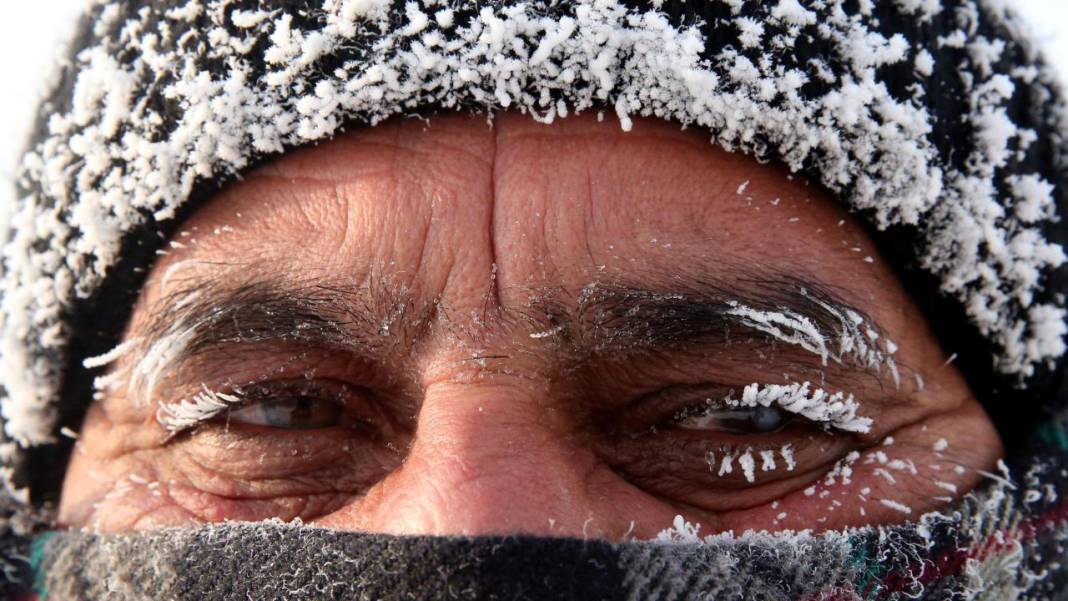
(453, 328)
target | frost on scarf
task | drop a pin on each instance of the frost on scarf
(986, 550)
(165, 98)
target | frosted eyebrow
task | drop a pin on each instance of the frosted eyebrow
(612, 318)
(205, 314)
(372, 320)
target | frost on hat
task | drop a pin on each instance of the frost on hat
(932, 120)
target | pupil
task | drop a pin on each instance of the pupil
(301, 412)
(766, 419)
(302, 407)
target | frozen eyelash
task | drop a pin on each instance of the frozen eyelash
(721, 461)
(836, 410)
(202, 406)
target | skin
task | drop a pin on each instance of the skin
(478, 422)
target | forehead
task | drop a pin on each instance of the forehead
(459, 208)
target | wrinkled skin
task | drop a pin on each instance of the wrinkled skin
(460, 249)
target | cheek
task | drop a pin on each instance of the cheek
(105, 465)
(112, 494)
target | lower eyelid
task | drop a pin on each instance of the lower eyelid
(718, 461)
(266, 487)
(278, 453)
(207, 506)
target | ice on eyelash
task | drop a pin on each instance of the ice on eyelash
(896, 506)
(748, 465)
(206, 404)
(189, 412)
(787, 453)
(767, 461)
(837, 410)
(727, 466)
(727, 455)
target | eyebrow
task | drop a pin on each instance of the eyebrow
(605, 318)
(207, 314)
(757, 308)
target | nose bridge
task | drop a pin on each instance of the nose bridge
(488, 459)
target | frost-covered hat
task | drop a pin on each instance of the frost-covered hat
(934, 121)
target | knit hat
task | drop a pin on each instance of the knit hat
(935, 122)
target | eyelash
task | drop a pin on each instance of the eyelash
(208, 404)
(783, 405)
(830, 410)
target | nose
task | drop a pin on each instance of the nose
(496, 459)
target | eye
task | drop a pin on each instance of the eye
(297, 404)
(750, 420)
(285, 448)
(296, 413)
(709, 446)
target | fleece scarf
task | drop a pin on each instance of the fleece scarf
(936, 122)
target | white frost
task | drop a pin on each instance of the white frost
(836, 410)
